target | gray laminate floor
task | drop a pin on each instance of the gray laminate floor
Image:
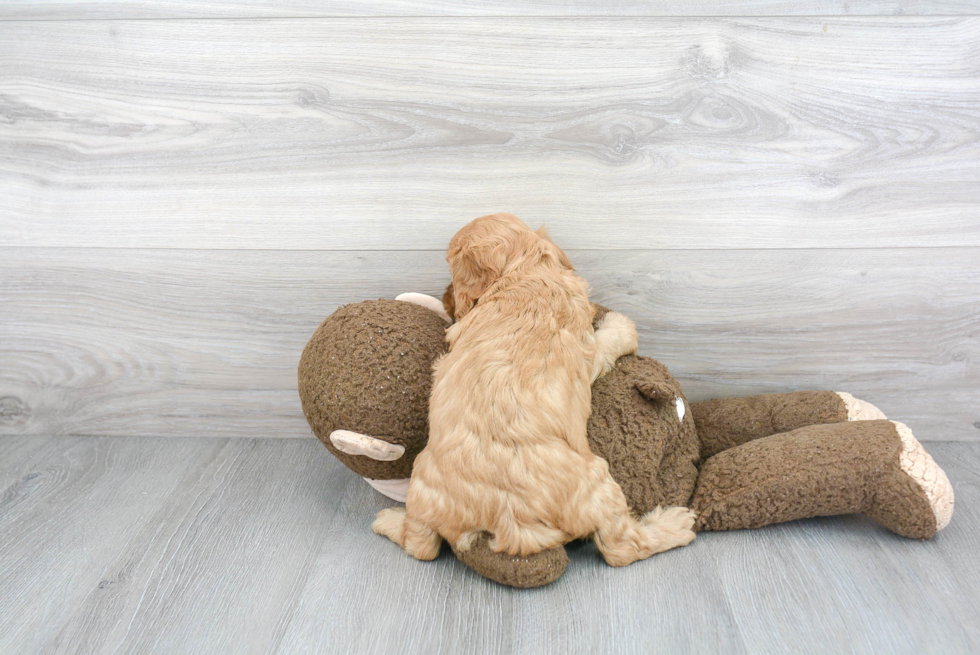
(139, 545)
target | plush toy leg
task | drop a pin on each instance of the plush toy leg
(873, 467)
(728, 422)
(513, 570)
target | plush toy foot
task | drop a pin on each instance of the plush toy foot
(898, 505)
(872, 467)
(513, 570)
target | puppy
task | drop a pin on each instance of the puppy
(507, 450)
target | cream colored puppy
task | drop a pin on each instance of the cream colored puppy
(507, 450)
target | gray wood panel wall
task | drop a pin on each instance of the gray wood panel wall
(142, 9)
(782, 199)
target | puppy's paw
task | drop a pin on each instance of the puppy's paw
(675, 517)
(618, 334)
(390, 523)
(674, 525)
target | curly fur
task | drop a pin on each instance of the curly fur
(507, 450)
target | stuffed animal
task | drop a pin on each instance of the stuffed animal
(364, 381)
(365, 376)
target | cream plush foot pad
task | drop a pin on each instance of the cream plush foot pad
(919, 465)
(860, 410)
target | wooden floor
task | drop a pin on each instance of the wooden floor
(118, 544)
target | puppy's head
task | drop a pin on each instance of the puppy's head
(491, 247)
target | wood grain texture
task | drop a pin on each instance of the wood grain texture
(257, 510)
(130, 9)
(199, 343)
(389, 133)
(263, 546)
(66, 511)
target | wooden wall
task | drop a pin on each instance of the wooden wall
(783, 200)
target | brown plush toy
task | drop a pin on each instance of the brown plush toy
(739, 463)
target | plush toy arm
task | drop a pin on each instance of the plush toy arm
(728, 422)
(873, 467)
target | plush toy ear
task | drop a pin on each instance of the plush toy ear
(656, 390)
(426, 301)
(475, 264)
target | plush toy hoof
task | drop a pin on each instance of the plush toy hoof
(918, 465)
(860, 410)
(512, 570)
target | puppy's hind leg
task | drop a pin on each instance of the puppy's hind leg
(419, 540)
(621, 538)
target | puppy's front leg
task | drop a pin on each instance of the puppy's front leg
(614, 337)
(419, 540)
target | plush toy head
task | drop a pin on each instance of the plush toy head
(364, 381)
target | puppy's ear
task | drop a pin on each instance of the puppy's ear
(449, 301)
(552, 250)
(474, 267)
